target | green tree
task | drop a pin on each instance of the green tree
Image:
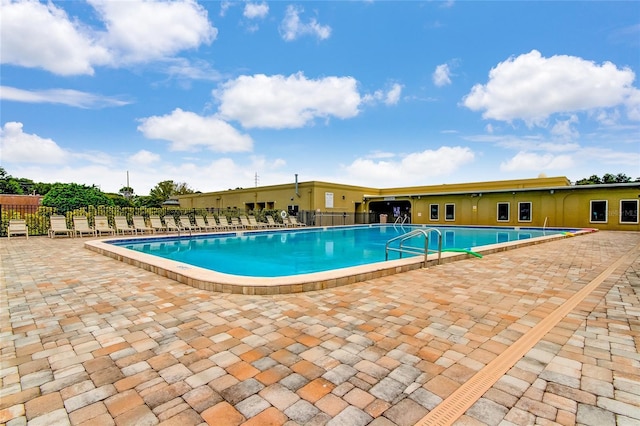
(161, 192)
(145, 201)
(591, 180)
(119, 200)
(164, 190)
(127, 192)
(181, 188)
(42, 188)
(606, 178)
(70, 196)
(8, 184)
(13, 185)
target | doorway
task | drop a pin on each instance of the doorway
(392, 208)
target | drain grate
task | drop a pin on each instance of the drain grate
(466, 395)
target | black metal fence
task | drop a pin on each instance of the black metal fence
(320, 218)
(38, 217)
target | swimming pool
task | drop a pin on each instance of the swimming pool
(280, 243)
(294, 252)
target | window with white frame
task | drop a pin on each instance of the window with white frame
(598, 211)
(503, 212)
(449, 212)
(628, 211)
(524, 211)
(434, 211)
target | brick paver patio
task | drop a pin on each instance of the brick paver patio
(86, 339)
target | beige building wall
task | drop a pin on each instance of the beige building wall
(551, 202)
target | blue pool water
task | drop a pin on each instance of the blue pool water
(294, 252)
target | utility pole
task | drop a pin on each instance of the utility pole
(256, 179)
(127, 192)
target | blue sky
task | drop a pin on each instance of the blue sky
(381, 94)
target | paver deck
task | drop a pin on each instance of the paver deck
(86, 339)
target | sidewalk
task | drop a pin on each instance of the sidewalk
(86, 339)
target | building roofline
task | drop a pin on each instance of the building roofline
(513, 190)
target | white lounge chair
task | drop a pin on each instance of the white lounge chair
(204, 226)
(224, 223)
(245, 222)
(170, 222)
(101, 225)
(81, 226)
(140, 225)
(186, 225)
(156, 223)
(59, 226)
(271, 222)
(255, 224)
(17, 227)
(122, 226)
(294, 221)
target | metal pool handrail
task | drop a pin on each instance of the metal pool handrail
(414, 250)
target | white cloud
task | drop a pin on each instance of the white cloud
(528, 161)
(610, 157)
(410, 169)
(256, 10)
(390, 97)
(20, 147)
(633, 105)
(291, 27)
(286, 102)
(565, 129)
(190, 70)
(188, 131)
(393, 95)
(224, 6)
(144, 157)
(38, 35)
(146, 30)
(442, 75)
(531, 88)
(60, 96)
(527, 143)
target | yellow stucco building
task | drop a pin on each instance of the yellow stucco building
(538, 202)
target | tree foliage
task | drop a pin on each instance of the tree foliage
(164, 190)
(606, 178)
(21, 186)
(119, 200)
(69, 196)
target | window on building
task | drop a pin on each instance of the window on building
(524, 211)
(434, 212)
(503, 212)
(628, 211)
(598, 211)
(449, 212)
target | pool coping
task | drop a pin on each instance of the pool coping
(210, 280)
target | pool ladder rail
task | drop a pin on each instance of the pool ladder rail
(414, 250)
